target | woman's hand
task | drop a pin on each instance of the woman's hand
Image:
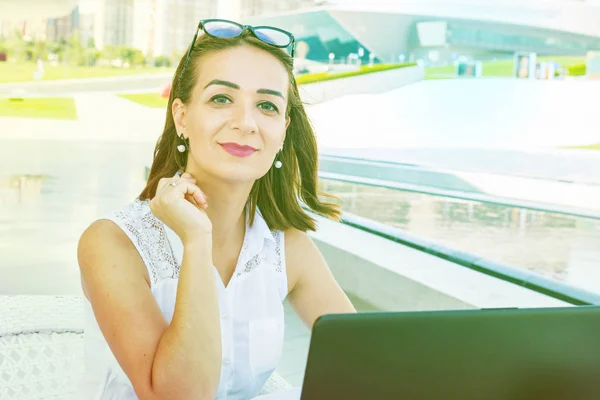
(180, 204)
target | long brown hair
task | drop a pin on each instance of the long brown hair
(277, 193)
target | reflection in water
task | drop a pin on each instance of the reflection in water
(20, 189)
(49, 197)
(556, 246)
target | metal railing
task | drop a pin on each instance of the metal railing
(508, 273)
(517, 276)
(416, 179)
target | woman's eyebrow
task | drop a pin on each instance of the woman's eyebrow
(270, 91)
(237, 87)
(223, 83)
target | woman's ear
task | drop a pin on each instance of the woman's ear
(178, 111)
(287, 123)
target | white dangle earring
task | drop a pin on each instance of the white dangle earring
(182, 147)
(278, 163)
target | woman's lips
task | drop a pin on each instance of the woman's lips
(238, 150)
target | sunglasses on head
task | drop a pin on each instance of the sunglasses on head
(222, 28)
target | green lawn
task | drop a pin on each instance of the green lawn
(56, 108)
(447, 72)
(365, 69)
(564, 61)
(588, 147)
(12, 72)
(502, 68)
(147, 99)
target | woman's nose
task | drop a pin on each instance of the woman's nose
(243, 119)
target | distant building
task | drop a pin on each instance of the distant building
(113, 23)
(63, 27)
(20, 10)
(166, 27)
(264, 7)
(33, 28)
(86, 28)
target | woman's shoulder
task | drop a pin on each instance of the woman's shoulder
(142, 227)
(132, 223)
(104, 245)
(133, 211)
(129, 231)
(118, 224)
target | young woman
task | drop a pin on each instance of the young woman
(185, 285)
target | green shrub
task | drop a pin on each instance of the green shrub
(326, 76)
(162, 61)
(576, 70)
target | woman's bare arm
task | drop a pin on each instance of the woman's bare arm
(313, 290)
(180, 360)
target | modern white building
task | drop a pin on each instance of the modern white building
(413, 29)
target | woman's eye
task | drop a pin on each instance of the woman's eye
(219, 99)
(267, 106)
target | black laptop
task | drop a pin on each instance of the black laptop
(497, 354)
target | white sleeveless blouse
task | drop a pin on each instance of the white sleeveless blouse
(252, 318)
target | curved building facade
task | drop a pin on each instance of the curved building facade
(409, 30)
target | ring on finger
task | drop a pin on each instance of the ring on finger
(173, 182)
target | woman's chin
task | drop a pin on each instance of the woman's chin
(241, 173)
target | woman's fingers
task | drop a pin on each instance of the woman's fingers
(185, 185)
(199, 198)
(187, 175)
(190, 190)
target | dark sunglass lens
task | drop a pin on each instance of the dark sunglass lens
(272, 36)
(222, 29)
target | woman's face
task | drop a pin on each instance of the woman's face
(235, 120)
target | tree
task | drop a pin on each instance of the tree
(110, 52)
(57, 48)
(162, 61)
(91, 56)
(16, 46)
(76, 55)
(40, 50)
(131, 55)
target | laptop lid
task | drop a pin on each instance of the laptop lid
(503, 354)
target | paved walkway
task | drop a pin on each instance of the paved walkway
(490, 113)
(103, 117)
(127, 83)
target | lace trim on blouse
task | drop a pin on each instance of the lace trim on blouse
(149, 236)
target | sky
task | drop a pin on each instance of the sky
(26, 7)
